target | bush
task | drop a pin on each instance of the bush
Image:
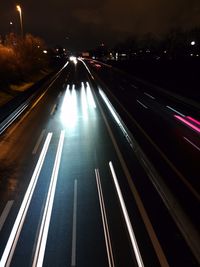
(21, 58)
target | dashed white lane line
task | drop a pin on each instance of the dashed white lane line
(73, 259)
(191, 143)
(134, 86)
(53, 109)
(175, 111)
(38, 142)
(152, 97)
(5, 213)
(143, 105)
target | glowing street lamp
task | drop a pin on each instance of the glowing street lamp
(20, 16)
(193, 43)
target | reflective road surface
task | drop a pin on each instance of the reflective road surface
(73, 190)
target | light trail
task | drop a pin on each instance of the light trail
(17, 227)
(44, 228)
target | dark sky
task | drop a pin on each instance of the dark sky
(84, 24)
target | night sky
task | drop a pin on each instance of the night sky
(83, 24)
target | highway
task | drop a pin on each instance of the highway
(76, 188)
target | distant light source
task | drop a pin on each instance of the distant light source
(45, 51)
(193, 43)
(18, 7)
(11, 23)
(72, 58)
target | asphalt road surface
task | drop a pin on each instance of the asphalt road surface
(73, 190)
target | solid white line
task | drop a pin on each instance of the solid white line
(175, 111)
(53, 109)
(105, 221)
(44, 228)
(73, 260)
(142, 104)
(13, 118)
(14, 236)
(5, 213)
(127, 219)
(152, 97)
(191, 143)
(38, 142)
(27, 113)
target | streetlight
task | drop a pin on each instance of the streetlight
(193, 43)
(20, 15)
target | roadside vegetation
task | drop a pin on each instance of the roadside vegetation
(23, 61)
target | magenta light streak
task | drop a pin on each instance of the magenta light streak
(188, 123)
(192, 119)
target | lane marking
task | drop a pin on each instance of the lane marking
(53, 109)
(152, 97)
(13, 118)
(37, 101)
(134, 86)
(27, 113)
(175, 111)
(149, 227)
(38, 142)
(127, 219)
(5, 213)
(178, 173)
(17, 227)
(177, 215)
(44, 228)
(142, 104)
(73, 259)
(105, 221)
(191, 143)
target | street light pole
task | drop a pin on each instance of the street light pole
(21, 22)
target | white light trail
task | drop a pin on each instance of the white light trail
(90, 96)
(16, 230)
(44, 228)
(127, 219)
(84, 103)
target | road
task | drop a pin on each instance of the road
(73, 191)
